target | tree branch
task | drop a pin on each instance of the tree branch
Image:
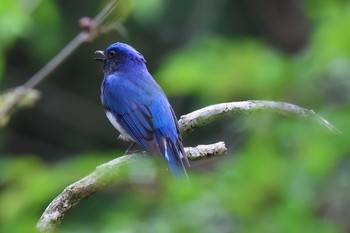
(211, 113)
(206, 151)
(106, 174)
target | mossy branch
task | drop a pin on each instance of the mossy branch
(107, 173)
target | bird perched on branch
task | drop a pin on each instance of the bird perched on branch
(138, 108)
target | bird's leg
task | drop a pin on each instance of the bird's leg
(130, 147)
(123, 138)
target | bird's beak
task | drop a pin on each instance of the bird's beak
(102, 54)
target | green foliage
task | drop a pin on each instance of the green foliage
(13, 20)
(218, 69)
(147, 12)
(16, 19)
(28, 185)
(45, 35)
(222, 69)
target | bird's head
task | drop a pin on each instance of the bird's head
(120, 56)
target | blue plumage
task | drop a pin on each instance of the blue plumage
(138, 108)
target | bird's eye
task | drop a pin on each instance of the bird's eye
(111, 54)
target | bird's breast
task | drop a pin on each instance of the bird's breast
(116, 125)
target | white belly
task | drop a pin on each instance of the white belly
(116, 125)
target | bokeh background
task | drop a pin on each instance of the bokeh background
(280, 175)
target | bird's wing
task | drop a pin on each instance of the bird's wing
(129, 104)
(138, 124)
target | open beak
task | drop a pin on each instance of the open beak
(101, 54)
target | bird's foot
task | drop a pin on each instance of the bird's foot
(130, 147)
(123, 138)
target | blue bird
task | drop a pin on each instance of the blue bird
(138, 108)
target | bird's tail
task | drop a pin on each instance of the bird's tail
(173, 153)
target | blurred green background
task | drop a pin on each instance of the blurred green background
(280, 175)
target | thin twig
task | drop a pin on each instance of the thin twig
(106, 174)
(84, 36)
(105, 12)
(208, 114)
(206, 151)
